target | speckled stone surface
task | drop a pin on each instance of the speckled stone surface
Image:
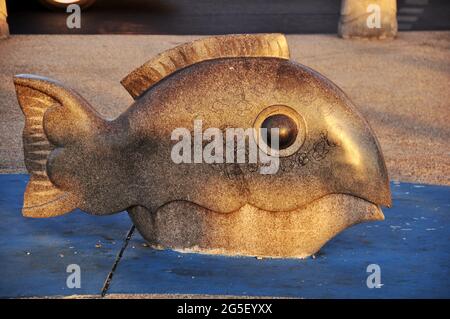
(77, 159)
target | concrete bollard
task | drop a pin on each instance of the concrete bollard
(368, 19)
(4, 30)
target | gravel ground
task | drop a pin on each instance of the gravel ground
(400, 86)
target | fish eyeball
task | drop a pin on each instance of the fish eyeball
(287, 127)
(291, 127)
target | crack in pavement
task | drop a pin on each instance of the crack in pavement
(116, 262)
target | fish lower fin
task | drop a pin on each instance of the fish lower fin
(36, 96)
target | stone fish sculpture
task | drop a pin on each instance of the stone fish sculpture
(332, 173)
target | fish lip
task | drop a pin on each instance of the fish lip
(284, 211)
(318, 199)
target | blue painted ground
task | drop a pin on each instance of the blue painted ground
(34, 253)
(411, 246)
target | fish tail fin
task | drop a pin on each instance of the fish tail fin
(41, 98)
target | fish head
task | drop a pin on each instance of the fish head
(329, 174)
(324, 146)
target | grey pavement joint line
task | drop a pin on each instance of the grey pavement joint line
(404, 26)
(116, 262)
(417, 2)
(408, 15)
(407, 18)
(408, 10)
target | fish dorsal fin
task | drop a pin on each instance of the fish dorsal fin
(227, 46)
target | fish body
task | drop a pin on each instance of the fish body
(77, 159)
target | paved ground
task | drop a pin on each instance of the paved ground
(411, 247)
(214, 17)
(401, 86)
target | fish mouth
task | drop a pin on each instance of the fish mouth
(250, 231)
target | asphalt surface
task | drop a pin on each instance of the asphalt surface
(213, 17)
(400, 86)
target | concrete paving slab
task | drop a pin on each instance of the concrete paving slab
(35, 253)
(411, 247)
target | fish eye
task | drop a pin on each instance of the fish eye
(287, 130)
(291, 129)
